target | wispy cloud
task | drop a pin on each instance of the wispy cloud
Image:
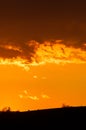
(35, 77)
(25, 92)
(26, 95)
(21, 96)
(33, 98)
(45, 96)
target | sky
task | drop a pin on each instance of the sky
(42, 54)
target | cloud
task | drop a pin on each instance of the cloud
(35, 98)
(21, 96)
(33, 53)
(35, 77)
(25, 95)
(15, 61)
(45, 96)
(25, 92)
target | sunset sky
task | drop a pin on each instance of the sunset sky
(42, 54)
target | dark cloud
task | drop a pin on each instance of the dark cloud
(45, 20)
(13, 50)
(52, 49)
(4, 53)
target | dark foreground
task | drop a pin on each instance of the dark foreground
(66, 118)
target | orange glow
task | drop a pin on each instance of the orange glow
(54, 76)
(63, 85)
(18, 62)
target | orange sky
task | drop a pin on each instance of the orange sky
(44, 86)
(42, 54)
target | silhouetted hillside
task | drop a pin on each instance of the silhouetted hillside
(67, 117)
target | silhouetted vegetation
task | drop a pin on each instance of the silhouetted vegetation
(64, 105)
(6, 109)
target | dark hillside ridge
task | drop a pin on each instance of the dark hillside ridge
(66, 117)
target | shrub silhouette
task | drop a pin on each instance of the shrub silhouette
(6, 109)
(64, 106)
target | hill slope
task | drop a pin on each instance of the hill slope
(67, 117)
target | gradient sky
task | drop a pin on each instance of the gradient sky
(42, 53)
(40, 20)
